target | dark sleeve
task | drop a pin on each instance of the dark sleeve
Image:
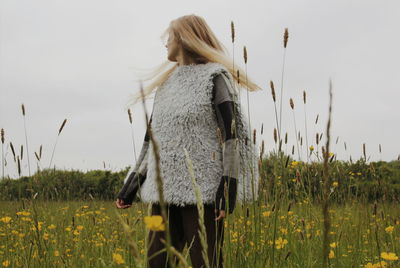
(224, 108)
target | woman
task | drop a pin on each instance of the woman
(195, 108)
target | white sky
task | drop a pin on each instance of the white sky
(77, 60)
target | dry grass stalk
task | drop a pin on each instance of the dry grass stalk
(271, 83)
(13, 151)
(295, 128)
(285, 37)
(305, 124)
(327, 183)
(58, 135)
(62, 126)
(245, 54)
(26, 139)
(130, 238)
(232, 32)
(285, 40)
(364, 153)
(130, 116)
(133, 139)
(19, 166)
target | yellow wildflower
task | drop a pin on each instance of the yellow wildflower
(311, 148)
(333, 245)
(331, 254)
(6, 263)
(117, 258)
(335, 184)
(390, 256)
(6, 219)
(294, 163)
(389, 229)
(283, 230)
(51, 226)
(24, 213)
(154, 223)
(382, 264)
(280, 243)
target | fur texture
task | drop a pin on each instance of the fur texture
(184, 117)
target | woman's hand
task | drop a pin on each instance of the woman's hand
(221, 214)
(228, 185)
(120, 204)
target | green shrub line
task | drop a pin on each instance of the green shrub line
(373, 181)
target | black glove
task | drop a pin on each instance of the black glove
(232, 190)
(130, 188)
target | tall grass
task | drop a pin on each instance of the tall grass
(319, 213)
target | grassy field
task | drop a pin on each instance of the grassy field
(320, 212)
(77, 234)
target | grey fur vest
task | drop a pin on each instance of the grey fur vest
(184, 117)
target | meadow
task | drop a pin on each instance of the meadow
(320, 212)
(283, 229)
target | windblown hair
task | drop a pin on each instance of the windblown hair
(198, 41)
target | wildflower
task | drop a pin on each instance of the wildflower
(280, 243)
(331, 254)
(311, 148)
(117, 258)
(154, 223)
(390, 256)
(56, 253)
(79, 227)
(6, 263)
(6, 219)
(335, 184)
(24, 213)
(51, 226)
(46, 236)
(381, 264)
(283, 230)
(389, 229)
(333, 245)
(294, 163)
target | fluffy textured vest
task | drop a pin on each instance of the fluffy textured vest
(184, 117)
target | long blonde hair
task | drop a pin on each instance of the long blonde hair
(199, 42)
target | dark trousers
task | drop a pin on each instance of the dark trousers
(184, 227)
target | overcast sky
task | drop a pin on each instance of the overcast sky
(76, 60)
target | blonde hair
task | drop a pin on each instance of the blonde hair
(199, 42)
